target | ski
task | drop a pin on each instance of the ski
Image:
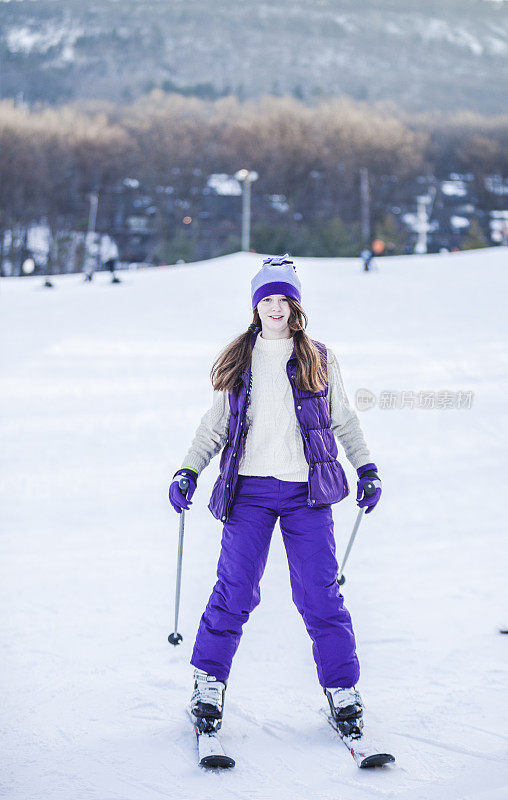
(210, 750)
(364, 750)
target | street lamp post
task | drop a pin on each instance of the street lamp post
(365, 205)
(246, 177)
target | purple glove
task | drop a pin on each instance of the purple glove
(178, 500)
(365, 474)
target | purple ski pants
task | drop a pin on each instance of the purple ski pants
(310, 547)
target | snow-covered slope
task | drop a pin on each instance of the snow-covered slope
(102, 389)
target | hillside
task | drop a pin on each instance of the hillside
(443, 55)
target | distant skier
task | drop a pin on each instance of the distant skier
(109, 256)
(279, 408)
(110, 264)
(367, 256)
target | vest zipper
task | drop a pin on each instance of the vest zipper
(235, 450)
(310, 501)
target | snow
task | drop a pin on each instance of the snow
(27, 40)
(224, 184)
(454, 188)
(439, 30)
(102, 389)
(496, 184)
(457, 221)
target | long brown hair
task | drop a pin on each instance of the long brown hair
(236, 357)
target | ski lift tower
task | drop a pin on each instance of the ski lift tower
(424, 206)
(92, 239)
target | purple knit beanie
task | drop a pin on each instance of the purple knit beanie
(276, 276)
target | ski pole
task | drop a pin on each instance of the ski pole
(368, 489)
(175, 637)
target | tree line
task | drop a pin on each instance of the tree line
(51, 159)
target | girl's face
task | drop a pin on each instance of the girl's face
(274, 313)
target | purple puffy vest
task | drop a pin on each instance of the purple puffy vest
(326, 480)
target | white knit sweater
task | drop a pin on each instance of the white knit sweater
(273, 445)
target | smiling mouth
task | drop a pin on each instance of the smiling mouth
(276, 317)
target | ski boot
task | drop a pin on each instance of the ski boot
(207, 701)
(346, 708)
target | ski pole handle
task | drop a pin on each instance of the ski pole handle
(368, 490)
(175, 637)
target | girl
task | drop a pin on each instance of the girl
(279, 403)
